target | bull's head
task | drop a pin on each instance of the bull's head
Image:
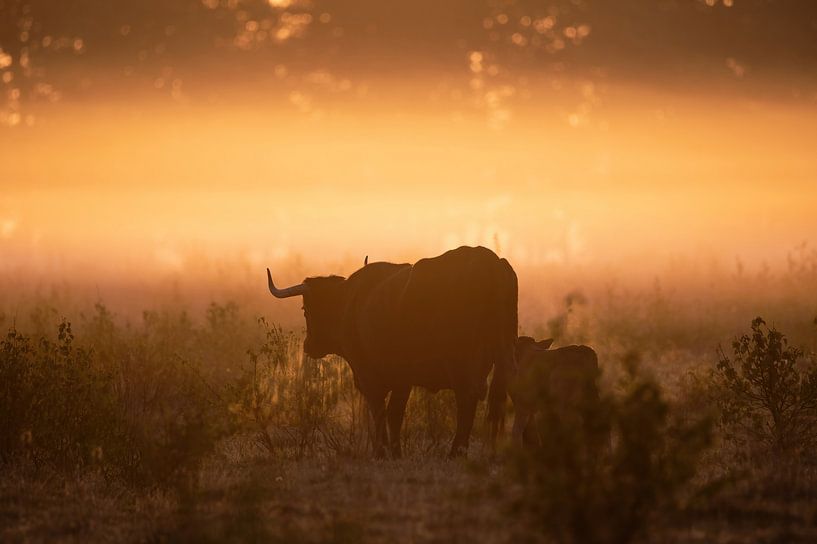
(323, 304)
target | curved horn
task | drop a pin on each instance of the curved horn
(293, 291)
(366, 260)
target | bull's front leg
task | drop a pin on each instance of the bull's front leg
(397, 409)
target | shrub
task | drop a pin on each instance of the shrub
(130, 406)
(257, 399)
(295, 404)
(313, 399)
(56, 403)
(604, 474)
(767, 393)
(430, 421)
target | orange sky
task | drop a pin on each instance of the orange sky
(139, 186)
(136, 140)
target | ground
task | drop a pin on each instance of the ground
(243, 496)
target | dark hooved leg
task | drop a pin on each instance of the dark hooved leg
(377, 406)
(521, 422)
(530, 436)
(466, 408)
(396, 411)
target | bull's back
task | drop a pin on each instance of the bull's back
(456, 303)
(431, 323)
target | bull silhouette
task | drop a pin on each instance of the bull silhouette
(443, 323)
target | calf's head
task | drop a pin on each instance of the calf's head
(526, 345)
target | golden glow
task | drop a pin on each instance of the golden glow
(654, 174)
(258, 132)
(5, 59)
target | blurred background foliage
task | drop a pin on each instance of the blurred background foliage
(189, 49)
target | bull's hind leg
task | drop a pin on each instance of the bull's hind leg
(377, 406)
(396, 411)
(466, 409)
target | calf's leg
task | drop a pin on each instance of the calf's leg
(521, 422)
(530, 436)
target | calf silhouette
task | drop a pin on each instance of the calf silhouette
(567, 375)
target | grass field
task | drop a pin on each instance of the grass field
(211, 426)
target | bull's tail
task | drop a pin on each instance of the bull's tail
(505, 346)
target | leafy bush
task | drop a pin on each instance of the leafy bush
(257, 397)
(130, 406)
(602, 474)
(57, 405)
(767, 393)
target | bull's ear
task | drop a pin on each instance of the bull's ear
(543, 344)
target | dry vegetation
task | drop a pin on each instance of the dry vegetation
(213, 426)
